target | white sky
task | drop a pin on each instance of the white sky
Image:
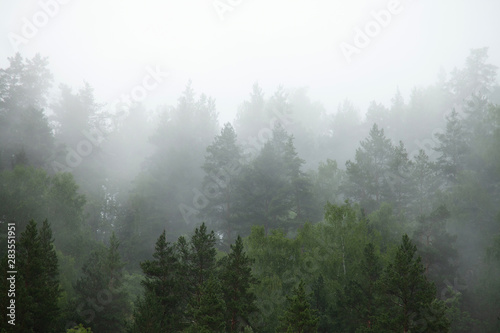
(108, 43)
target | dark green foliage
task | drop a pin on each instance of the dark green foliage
(436, 247)
(256, 180)
(160, 308)
(175, 280)
(202, 258)
(29, 193)
(101, 301)
(298, 316)
(360, 302)
(411, 299)
(208, 310)
(37, 289)
(237, 280)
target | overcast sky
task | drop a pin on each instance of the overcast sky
(224, 50)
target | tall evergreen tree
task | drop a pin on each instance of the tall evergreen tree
(367, 174)
(202, 258)
(360, 300)
(52, 290)
(436, 247)
(424, 175)
(101, 301)
(411, 302)
(453, 147)
(208, 311)
(237, 280)
(299, 317)
(37, 283)
(160, 309)
(222, 166)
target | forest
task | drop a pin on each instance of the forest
(290, 218)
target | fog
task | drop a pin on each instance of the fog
(293, 43)
(329, 135)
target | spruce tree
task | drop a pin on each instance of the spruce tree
(37, 283)
(237, 280)
(367, 175)
(160, 309)
(359, 301)
(101, 301)
(298, 316)
(222, 165)
(207, 311)
(52, 290)
(202, 258)
(411, 302)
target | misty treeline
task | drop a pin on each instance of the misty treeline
(290, 219)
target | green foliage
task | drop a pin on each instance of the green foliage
(37, 289)
(208, 310)
(159, 310)
(360, 302)
(101, 301)
(79, 329)
(367, 174)
(298, 317)
(411, 298)
(237, 279)
(222, 165)
(453, 146)
(30, 193)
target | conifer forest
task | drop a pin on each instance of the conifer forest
(361, 196)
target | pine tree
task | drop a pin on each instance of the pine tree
(208, 311)
(51, 289)
(202, 258)
(426, 181)
(367, 175)
(222, 166)
(453, 147)
(237, 279)
(39, 290)
(410, 298)
(298, 316)
(160, 309)
(300, 184)
(101, 301)
(436, 246)
(359, 301)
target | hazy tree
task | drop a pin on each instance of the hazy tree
(222, 165)
(453, 146)
(24, 86)
(367, 174)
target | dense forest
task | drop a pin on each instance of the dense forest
(291, 218)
